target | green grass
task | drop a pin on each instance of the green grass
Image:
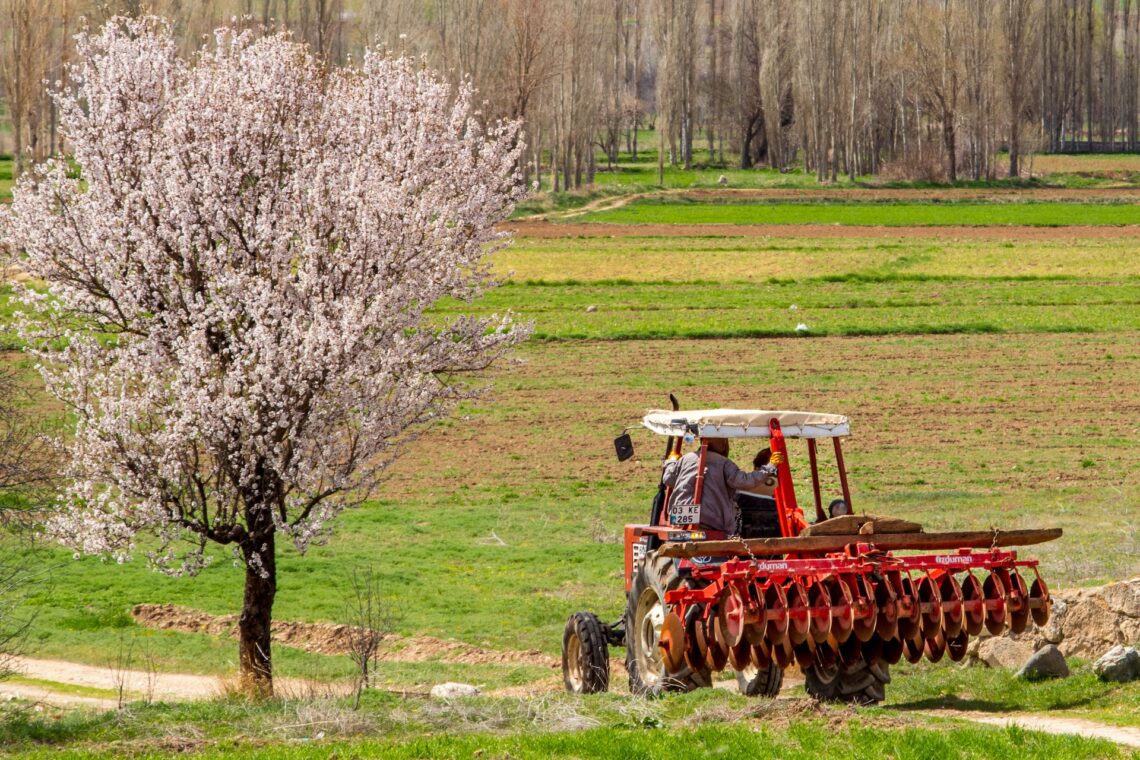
(699, 725)
(1043, 214)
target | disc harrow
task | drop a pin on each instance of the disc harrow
(842, 609)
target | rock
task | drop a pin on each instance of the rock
(1120, 663)
(801, 328)
(452, 690)
(1054, 631)
(1002, 652)
(1123, 598)
(1089, 627)
(1047, 662)
(722, 180)
(591, 309)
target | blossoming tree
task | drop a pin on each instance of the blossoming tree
(238, 286)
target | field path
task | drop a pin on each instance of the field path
(541, 229)
(1050, 725)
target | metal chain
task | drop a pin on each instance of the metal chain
(739, 531)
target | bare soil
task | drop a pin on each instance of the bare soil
(330, 638)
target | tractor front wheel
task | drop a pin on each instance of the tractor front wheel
(760, 682)
(585, 655)
(644, 615)
(856, 683)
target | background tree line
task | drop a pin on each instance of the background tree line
(924, 89)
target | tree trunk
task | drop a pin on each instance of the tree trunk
(254, 658)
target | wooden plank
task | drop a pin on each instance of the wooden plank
(975, 539)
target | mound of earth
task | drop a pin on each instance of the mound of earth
(333, 638)
(1084, 623)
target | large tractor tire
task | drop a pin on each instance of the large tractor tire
(856, 683)
(585, 655)
(760, 682)
(644, 614)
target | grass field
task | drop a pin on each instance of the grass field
(652, 211)
(989, 382)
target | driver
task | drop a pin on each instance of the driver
(722, 480)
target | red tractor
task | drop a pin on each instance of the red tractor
(832, 597)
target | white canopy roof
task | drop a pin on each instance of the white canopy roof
(745, 423)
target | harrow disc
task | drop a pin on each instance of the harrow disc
(892, 650)
(672, 643)
(799, 614)
(974, 614)
(740, 656)
(730, 612)
(776, 619)
(1018, 603)
(886, 601)
(761, 655)
(864, 609)
(930, 606)
(909, 621)
(695, 644)
(1039, 602)
(783, 654)
(993, 589)
(842, 608)
(716, 654)
(952, 617)
(872, 650)
(956, 647)
(912, 649)
(935, 647)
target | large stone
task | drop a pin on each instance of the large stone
(452, 690)
(1120, 663)
(1089, 627)
(1002, 652)
(1047, 662)
(1123, 597)
(1054, 630)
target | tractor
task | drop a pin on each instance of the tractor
(843, 598)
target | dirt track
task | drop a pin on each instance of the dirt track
(543, 229)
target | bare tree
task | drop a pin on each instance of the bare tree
(370, 618)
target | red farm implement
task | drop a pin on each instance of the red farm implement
(833, 598)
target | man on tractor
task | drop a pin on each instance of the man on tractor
(713, 492)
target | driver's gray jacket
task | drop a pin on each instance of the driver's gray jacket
(718, 494)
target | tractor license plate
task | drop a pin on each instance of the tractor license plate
(685, 514)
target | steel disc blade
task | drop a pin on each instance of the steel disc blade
(695, 643)
(935, 647)
(761, 655)
(782, 654)
(1019, 603)
(887, 619)
(731, 614)
(1039, 602)
(717, 656)
(907, 603)
(866, 611)
(740, 656)
(892, 650)
(930, 602)
(956, 647)
(912, 649)
(952, 617)
(973, 618)
(842, 609)
(993, 590)
(799, 617)
(805, 653)
(851, 650)
(672, 643)
(776, 614)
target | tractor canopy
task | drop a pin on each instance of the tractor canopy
(744, 423)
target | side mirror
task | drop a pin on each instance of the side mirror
(623, 445)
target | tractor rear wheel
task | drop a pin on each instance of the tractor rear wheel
(644, 614)
(760, 682)
(856, 683)
(585, 655)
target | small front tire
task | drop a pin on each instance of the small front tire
(585, 655)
